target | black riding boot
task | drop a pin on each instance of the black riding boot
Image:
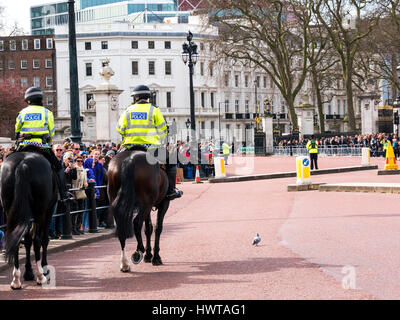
(172, 192)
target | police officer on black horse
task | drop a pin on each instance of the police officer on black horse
(142, 124)
(35, 126)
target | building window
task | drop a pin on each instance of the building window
(169, 102)
(203, 99)
(226, 105)
(168, 68)
(258, 81)
(151, 45)
(202, 68)
(201, 46)
(211, 70)
(134, 44)
(88, 46)
(89, 70)
(49, 81)
(49, 63)
(236, 80)
(246, 106)
(11, 65)
(35, 64)
(344, 107)
(24, 64)
(236, 106)
(36, 44)
(24, 82)
(25, 44)
(212, 127)
(265, 82)
(226, 79)
(1, 45)
(246, 81)
(104, 45)
(49, 101)
(49, 43)
(13, 45)
(167, 44)
(1, 65)
(212, 97)
(36, 82)
(135, 68)
(152, 70)
(338, 106)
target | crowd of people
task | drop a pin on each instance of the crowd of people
(376, 142)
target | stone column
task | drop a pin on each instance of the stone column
(305, 116)
(106, 98)
(369, 113)
(269, 136)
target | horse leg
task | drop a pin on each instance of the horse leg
(148, 231)
(40, 278)
(124, 267)
(162, 209)
(138, 224)
(28, 274)
(16, 282)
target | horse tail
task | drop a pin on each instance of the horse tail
(126, 201)
(20, 212)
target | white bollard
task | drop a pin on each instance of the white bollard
(366, 158)
(219, 167)
(303, 170)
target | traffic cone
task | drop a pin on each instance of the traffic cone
(197, 180)
(177, 179)
(391, 163)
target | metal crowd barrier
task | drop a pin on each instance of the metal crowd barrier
(340, 150)
(92, 210)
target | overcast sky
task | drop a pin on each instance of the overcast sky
(18, 10)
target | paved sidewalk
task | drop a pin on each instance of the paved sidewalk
(63, 245)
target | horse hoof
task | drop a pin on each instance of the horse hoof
(157, 262)
(125, 269)
(137, 257)
(16, 288)
(147, 258)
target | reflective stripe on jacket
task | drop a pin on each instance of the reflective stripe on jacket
(35, 120)
(142, 123)
(310, 149)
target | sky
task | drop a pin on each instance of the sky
(18, 10)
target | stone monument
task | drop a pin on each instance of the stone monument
(267, 124)
(106, 102)
(305, 115)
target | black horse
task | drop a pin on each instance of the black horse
(135, 186)
(28, 191)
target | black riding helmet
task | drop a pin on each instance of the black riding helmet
(141, 92)
(33, 93)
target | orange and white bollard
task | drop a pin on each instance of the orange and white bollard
(197, 180)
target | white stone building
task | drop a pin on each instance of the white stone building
(150, 54)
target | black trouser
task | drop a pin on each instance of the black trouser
(314, 160)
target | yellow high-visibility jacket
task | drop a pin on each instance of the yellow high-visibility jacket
(35, 120)
(309, 147)
(142, 123)
(226, 148)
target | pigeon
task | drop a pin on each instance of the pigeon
(256, 239)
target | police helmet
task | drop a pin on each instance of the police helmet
(33, 93)
(141, 92)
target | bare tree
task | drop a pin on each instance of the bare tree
(342, 20)
(270, 34)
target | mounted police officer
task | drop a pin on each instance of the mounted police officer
(35, 126)
(143, 124)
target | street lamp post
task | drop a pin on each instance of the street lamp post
(76, 135)
(190, 56)
(255, 102)
(396, 104)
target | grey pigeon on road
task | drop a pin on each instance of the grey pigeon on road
(256, 239)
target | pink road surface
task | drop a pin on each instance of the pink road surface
(206, 245)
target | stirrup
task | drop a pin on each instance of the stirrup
(176, 194)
